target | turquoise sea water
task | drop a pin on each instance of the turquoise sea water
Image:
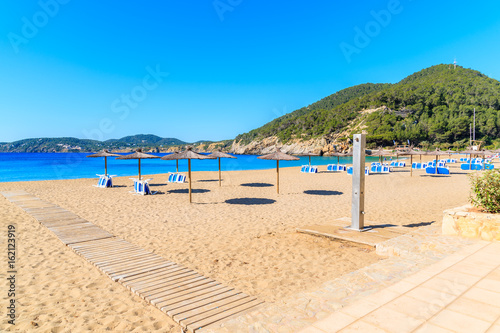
(49, 166)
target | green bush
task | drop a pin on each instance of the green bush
(486, 190)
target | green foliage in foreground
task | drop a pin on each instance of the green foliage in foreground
(486, 190)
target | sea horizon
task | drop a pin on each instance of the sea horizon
(15, 166)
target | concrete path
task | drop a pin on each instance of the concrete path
(460, 293)
(406, 255)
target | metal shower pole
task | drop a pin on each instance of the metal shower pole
(358, 184)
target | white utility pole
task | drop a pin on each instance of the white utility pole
(474, 128)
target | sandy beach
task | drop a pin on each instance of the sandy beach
(242, 234)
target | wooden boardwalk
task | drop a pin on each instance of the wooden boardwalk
(191, 299)
(371, 237)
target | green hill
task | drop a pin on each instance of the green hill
(303, 121)
(66, 144)
(69, 144)
(147, 140)
(434, 105)
(437, 105)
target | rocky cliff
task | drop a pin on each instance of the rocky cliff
(318, 146)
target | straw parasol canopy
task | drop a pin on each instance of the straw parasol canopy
(307, 155)
(449, 152)
(380, 153)
(219, 154)
(477, 153)
(437, 153)
(470, 152)
(176, 162)
(189, 155)
(486, 152)
(138, 155)
(104, 153)
(411, 153)
(278, 156)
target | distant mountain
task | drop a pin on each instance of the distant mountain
(147, 139)
(432, 106)
(68, 144)
(203, 141)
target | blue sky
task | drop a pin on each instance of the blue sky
(210, 70)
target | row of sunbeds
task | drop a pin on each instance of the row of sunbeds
(140, 186)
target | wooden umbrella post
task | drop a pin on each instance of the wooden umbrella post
(278, 176)
(189, 174)
(436, 164)
(219, 172)
(411, 165)
(139, 169)
(176, 165)
(309, 160)
(105, 166)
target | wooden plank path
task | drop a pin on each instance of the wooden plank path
(191, 299)
(371, 237)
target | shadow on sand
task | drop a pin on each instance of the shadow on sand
(382, 226)
(322, 192)
(257, 185)
(185, 190)
(416, 225)
(207, 180)
(250, 201)
(436, 176)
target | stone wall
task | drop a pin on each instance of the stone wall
(463, 222)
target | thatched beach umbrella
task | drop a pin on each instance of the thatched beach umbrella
(176, 162)
(307, 155)
(449, 152)
(487, 152)
(219, 154)
(138, 155)
(380, 153)
(478, 153)
(104, 153)
(410, 153)
(437, 153)
(470, 152)
(189, 155)
(278, 156)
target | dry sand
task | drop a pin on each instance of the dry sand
(241, 234)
